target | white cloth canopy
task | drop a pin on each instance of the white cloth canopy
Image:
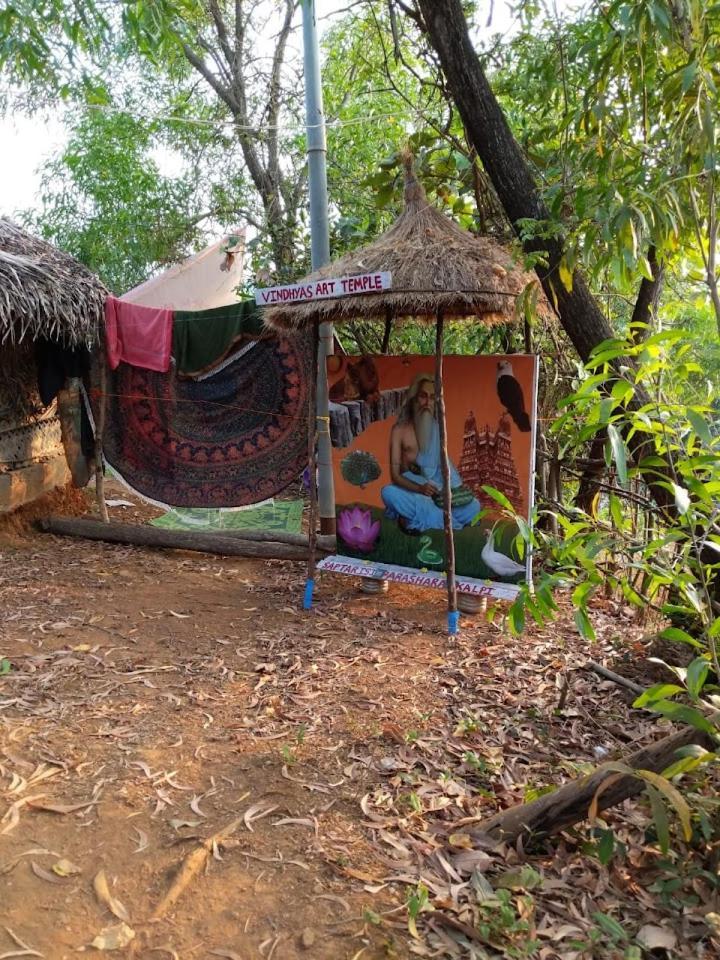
(197, 283)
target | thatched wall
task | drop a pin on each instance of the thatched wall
(29, 432)
(43, 293)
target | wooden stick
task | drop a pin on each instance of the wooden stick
(100, 432)
(312, 466)
(191, 867)
(615, 677)
(145, 536)
(445, 467)
(570, 803)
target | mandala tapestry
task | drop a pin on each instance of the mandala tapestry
(237, 438)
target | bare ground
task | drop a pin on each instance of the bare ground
(153, 698)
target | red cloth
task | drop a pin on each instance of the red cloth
(141, 336)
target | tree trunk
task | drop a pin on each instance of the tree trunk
(648, 298)
(592, 475)
(502, 158)
(141, 536)
(489, 133)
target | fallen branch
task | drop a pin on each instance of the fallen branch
(192, 865)
(615, 677)
(143, 536)
(570, 803)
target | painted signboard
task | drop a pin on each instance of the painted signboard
(324, 289)
(384, 428)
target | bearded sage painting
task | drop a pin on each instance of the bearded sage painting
(388, 483)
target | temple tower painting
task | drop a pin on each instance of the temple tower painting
(487, 459)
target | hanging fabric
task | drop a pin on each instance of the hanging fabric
(203, 339)
(141, 336)
(56, 365)
(233, 439)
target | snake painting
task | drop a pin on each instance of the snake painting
(426, 555)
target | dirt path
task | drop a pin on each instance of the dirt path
(154, 697)
(170, 693)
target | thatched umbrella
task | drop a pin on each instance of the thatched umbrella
(438, 270)
(45, 292)
(435, 266)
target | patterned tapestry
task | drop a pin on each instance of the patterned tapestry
(237, 438)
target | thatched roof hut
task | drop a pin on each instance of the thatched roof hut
(45, 292)
(435, 265)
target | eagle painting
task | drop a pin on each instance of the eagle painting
(511, 396)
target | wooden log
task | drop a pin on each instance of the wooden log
(445, 468)
(142, 536)
(570, 803)
(325, 542)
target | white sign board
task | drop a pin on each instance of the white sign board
(417, 578)
(324, 289)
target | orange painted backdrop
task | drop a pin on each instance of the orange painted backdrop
(469, 385)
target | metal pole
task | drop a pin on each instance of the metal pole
(320, 248)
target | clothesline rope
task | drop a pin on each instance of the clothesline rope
(98, 394)
(257, 129)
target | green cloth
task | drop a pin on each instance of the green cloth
(285, 515)
(203, 338)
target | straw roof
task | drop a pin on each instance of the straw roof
(45, 292)
(435, 265)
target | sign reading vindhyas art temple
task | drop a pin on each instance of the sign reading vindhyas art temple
(388, 482)
(324, 289)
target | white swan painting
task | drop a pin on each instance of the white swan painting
(499, 563)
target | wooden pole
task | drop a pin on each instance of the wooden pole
(100, 432)
(445, 467)
(388, 331)
(312, 466)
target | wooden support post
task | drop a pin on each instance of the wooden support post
(99, 433)
(388, 331)
(445, 467)
(312, 467)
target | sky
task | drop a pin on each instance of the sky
(27, 142)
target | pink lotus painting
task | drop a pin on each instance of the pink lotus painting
(357, 529)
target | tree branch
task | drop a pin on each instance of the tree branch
(273, 104)
(222, 33)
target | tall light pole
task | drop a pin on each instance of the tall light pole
(320, 249)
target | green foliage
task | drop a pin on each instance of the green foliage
(45, 41)
(106, 202)
(617, 108)
(663, 559)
